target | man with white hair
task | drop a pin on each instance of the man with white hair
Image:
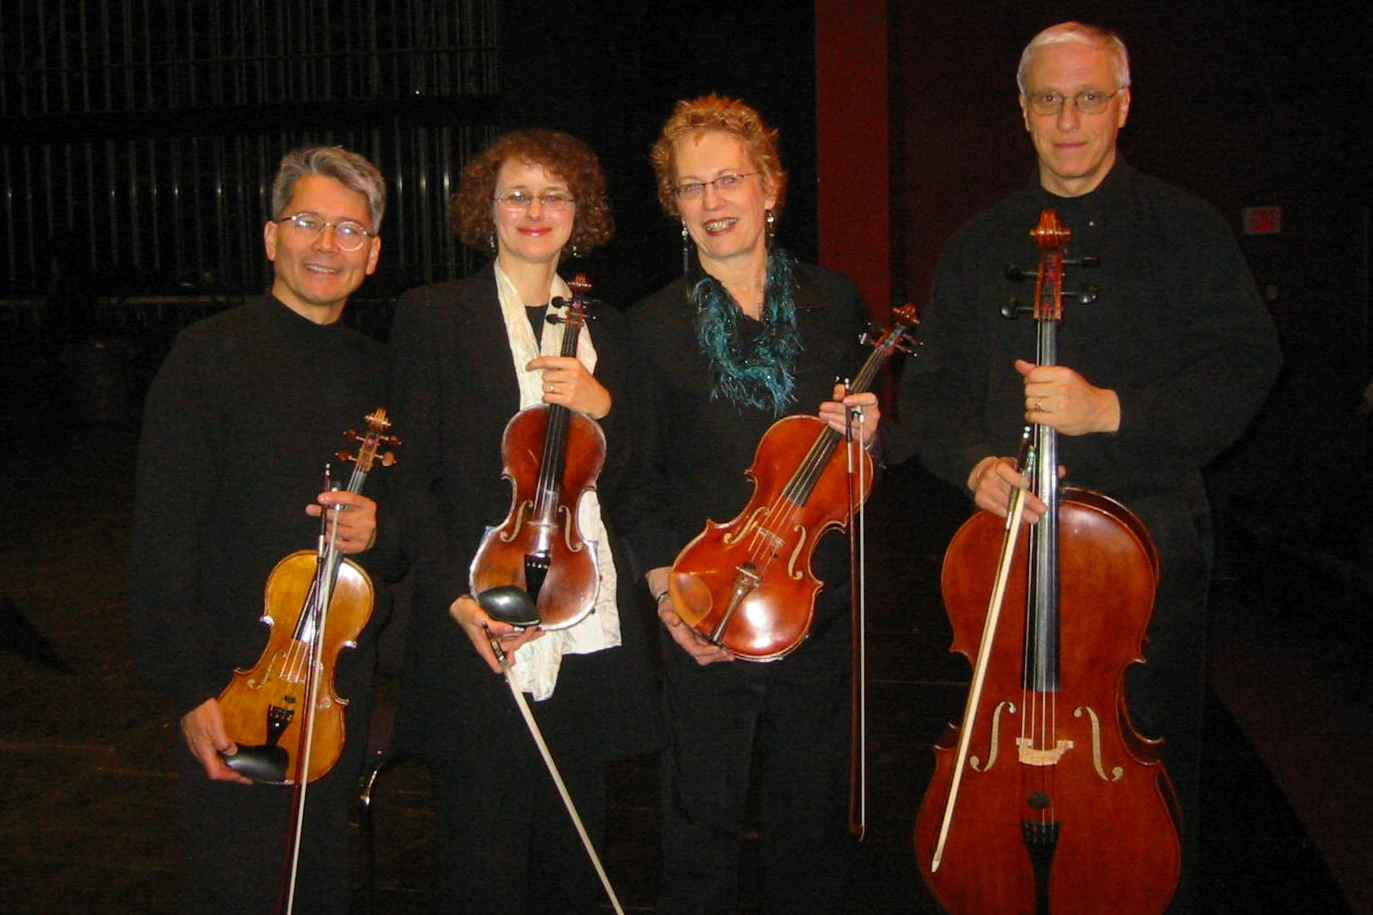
(1154, 378)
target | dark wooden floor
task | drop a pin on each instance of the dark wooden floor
(87, 785)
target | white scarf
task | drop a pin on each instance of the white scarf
(540, 660)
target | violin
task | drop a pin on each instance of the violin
(747, 585)
(1045, 799)
(283, 712)
(534, 568)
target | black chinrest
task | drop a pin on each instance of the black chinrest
(261, 764)
(509, 604)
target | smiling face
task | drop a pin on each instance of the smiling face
(314, 276)
(1076, 150)
(533, 234)
(728, 227)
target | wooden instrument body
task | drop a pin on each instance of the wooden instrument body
(1116, 815)
(544, 522)
(275, 687)
(767, 547)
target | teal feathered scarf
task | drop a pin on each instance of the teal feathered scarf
(761, 373)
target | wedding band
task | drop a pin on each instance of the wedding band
(1038, 405)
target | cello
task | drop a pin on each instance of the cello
(534, 568)
(1045, 799)
(747, 585)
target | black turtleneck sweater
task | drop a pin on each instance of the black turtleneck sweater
(239, 423)
(1178, 331)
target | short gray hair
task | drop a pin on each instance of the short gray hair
(1076, 32)
(351, 170)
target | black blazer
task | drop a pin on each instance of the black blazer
(454, 389)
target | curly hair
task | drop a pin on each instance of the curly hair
(562, 156)
(715, 112)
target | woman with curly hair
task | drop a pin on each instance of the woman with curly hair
(468, 356)
(747, 336)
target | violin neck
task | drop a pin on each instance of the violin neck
(549, 484)
(799, 487)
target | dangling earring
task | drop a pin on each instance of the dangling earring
(686, 248)
(573, 250)
(772, 226)
(491, 241)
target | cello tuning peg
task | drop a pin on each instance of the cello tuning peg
(1016, 273)
(1013, 309)
(1086, 295)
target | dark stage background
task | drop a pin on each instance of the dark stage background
(137, 139)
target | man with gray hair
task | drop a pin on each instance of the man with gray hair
(240, 422)
(1156, 376)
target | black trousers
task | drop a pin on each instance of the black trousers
(797, 709)
(1166, 695)
(234, 837)
(505, 841)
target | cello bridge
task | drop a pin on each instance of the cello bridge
(1030, 755)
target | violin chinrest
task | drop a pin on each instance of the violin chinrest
(265, 764)
(509, 604)
(691, 597)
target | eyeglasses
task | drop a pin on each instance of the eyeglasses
(725, 184)
(1088, 101)
(519, 200)
(348, 235)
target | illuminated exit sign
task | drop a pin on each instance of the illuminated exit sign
(1262, 220)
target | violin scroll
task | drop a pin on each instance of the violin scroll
(372, 440)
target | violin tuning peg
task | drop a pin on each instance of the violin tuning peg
(1016, 273)
(345, 457)
(1087, 260)
(1013, 309)
(387, 459)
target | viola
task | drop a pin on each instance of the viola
(747, 585)
(535, 568)
(1045, 799)
(283, 712)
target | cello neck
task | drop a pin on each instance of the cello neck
(1042, 621)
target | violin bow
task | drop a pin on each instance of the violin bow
(537, 734)
(321, 595)
(1014, 513)
(858, 765)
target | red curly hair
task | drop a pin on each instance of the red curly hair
(716, 112)
(562, 156)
